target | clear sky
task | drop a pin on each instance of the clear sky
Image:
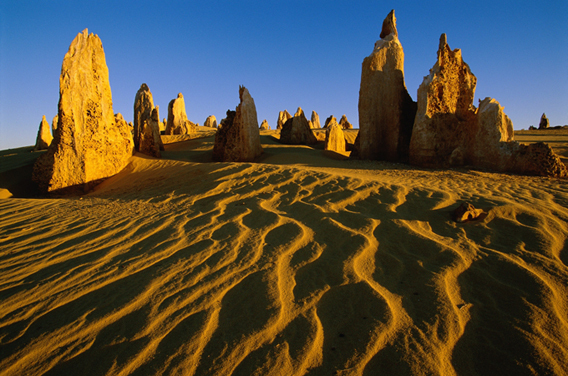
(287, 53)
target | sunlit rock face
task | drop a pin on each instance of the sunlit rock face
(283, 117)
(88, 145)
(210, 122)
(264, 125)
(315, 120)
(386, 110)
(238, 139)
(297, 131)
(44, 136)
(177, 118)
(334, 137)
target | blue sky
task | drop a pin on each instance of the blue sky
(287, 53)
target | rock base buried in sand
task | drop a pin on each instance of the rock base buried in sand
(466, 212)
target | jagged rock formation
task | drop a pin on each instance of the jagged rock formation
(315, 120)
(283, 117)
(297, 131)
(143, 107)
(44, 136)
(238, 139)
(334, 137)
(386, 110)
(445, 109)
(449, 130)
(344, 123)
(210, 122)
(544, 122)
(89, 145)
(264, 125)
(177, 118)
(150, 140)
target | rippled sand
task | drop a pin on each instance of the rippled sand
(302, 264)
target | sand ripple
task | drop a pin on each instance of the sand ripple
(215, 269)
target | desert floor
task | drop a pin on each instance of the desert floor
(301, 263)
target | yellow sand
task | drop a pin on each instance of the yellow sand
(300, 264)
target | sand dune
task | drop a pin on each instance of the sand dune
(300, 264)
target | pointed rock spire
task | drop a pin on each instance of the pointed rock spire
(89, 145)
(44, 136)
(386, 110)
(389, 26)
(238, 137)
(544, 122)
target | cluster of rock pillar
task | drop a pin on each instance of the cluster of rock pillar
(443, 128)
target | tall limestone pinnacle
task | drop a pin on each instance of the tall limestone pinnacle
(44, 136)
(143, 106)
(143, 109)
(238, 140)
(88, 145)
(386, 110)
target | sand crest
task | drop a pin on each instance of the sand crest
(298, 265)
